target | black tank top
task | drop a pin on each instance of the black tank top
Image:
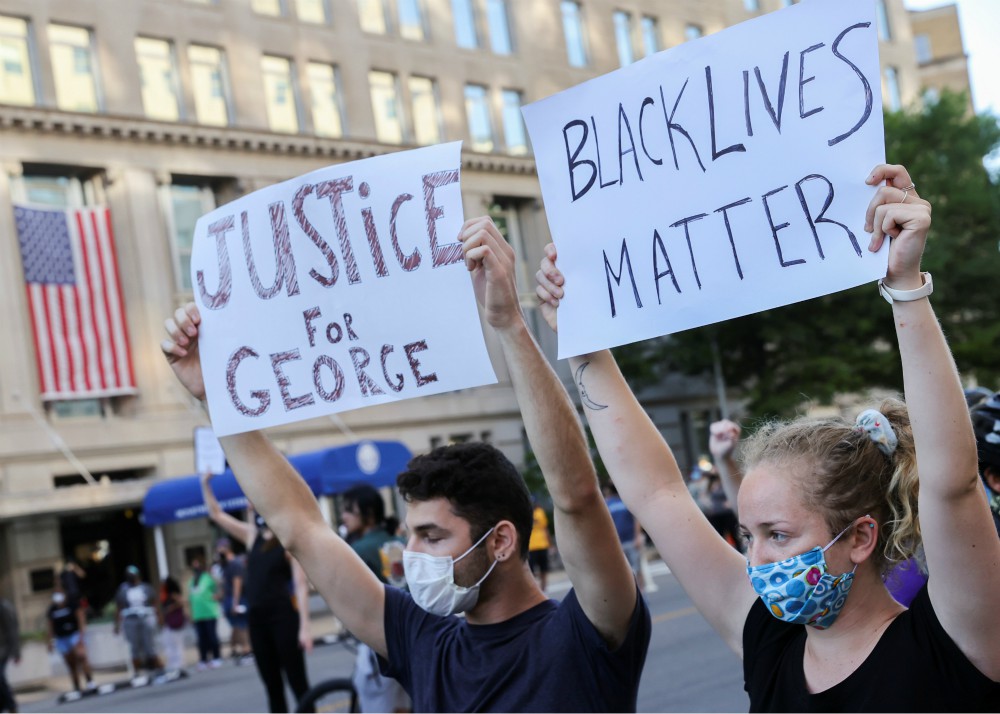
(268, 576)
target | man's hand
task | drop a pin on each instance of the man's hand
(724, 435)
(549, 286)
(206, 477)
(490, 259)
(181, 348)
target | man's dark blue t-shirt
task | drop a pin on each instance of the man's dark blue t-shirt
(547, 659)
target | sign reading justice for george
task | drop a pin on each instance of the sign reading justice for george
(338, 289)
(720, 178)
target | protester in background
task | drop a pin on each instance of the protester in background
(10, 649)
(469, 518)
(277, 597)
(71, 579)
(174, 623)
(986, 423)
(234, 606)
(66, 628)
(203, 594)
(363, 515)
(826, 506)
(539, 544)
(629, 531)
(137, 613)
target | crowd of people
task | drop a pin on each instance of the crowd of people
(824, 510)
(852, 565)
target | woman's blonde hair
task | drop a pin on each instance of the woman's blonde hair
(845, 476)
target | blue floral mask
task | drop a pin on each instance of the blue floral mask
(799, 590)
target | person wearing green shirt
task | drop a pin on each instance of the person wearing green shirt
(203, 594)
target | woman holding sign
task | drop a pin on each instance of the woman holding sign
(826, 507)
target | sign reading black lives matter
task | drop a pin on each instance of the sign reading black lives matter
(719, 178)
(338, 289)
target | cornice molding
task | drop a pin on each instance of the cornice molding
(131, 129)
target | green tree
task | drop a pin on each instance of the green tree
(846, 341)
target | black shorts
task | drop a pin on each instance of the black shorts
(539, 560)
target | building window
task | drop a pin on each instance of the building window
(650, 35)
(187, 203)
(465, 24)
(572, 18)
(623, 38)
(208, 79)
(73, 68)
(158, 76)
(16, 83)
(692, 31)
(426, 115)
(273, 8)
(477, 109)
(385, 105)
(411, 20)
(892, 95)
(279, 93)
(313, 11)
(922, 43)
(372, 14)
(752, 5)
(882, 20)
(327, 112)
(505, 213)
(514, 136)
(499, 21)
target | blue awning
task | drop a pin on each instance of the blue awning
(328, 472)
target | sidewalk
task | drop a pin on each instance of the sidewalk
(323, 624)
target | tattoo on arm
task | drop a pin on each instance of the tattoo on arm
(584, 397)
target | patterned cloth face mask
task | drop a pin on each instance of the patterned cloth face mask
(800, 590)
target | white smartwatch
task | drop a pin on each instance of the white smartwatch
(892, 295)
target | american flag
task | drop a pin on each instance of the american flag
(75, 302)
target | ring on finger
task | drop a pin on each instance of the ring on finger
(906, 191)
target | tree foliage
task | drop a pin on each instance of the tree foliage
(846, 342)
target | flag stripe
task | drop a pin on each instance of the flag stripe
(65, 334)
(87, 284)
(75, 302)
(105, 284)
(82, 341)
(116, 276)
(33, 311)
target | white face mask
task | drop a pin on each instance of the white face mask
(431, 579)
(58, 598)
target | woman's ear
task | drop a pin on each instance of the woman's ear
(865, 537)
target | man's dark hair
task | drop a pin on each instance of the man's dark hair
(369, 503)
(481, 483)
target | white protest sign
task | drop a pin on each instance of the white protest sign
(716, 179)
(338, 289)
(208, 454)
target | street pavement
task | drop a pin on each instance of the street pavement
(688, 669)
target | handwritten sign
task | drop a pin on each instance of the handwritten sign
(339, 289)
(716, 179)
(208, 454)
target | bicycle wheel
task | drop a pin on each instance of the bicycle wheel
(330, 695)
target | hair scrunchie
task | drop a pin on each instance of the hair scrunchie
(879, 430)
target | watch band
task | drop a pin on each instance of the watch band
(892, 295)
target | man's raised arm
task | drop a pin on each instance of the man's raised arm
(584, 530)
(280, 495)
